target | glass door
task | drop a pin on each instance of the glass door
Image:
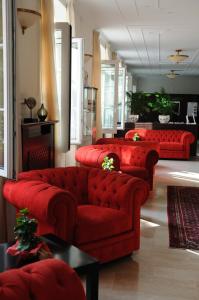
(109, 95)
(77, 91)
(121, 97)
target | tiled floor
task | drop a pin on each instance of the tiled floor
(156, 272)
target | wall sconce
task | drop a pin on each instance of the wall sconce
(27, 17)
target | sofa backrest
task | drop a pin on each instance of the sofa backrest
(156, 135)
(93, 156)
(47, 279)
(105, 188)
(74, 179)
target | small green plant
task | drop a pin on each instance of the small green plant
(108, 164)
(25, 230)
(162, 103)
(136, 137)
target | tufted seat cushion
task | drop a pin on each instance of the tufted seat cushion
(95, 222)
(171, 146)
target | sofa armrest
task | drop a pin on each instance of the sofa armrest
(92, 156)
(187, 138)
(54, 208)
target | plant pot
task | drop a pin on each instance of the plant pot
(164, 119)
(133, 118)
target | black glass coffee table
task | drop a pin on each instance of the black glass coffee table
(81, 262)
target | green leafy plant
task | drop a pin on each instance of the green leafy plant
(162, 103)
(25, 230)
(137, 102)
(136, 137)
(108, 164)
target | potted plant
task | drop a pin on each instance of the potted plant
(28, 244)
(162, 104)
(108, 164)
(137, 103)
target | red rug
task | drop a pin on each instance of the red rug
(183, 216)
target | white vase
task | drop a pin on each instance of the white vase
(164, 119)
(133, 118)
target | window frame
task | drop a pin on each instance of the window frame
(123, 98)
(79, 108)
(114, 128)
(7, 8)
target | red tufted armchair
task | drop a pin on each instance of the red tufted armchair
(95, 210)
(133, 160)
(49, 279)
(173, 143)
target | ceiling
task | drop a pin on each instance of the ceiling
(145, 32)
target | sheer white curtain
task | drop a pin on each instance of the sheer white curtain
(48, 78)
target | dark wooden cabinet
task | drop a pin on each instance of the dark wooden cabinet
(38, 151)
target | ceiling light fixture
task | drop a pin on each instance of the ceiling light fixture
(27, 17)
(172, 74)
(178, 57)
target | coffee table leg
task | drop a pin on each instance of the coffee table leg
(92, 282)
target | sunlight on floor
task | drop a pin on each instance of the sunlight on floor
(183, 175)
(193, 252)
(149, 224)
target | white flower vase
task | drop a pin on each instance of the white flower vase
(164, 119)
(133, 118)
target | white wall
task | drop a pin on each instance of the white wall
(179, 85)
(27, 71)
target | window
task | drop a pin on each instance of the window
(63, 75)
(121, 97)
(77, 91)
(62, 63)
(109, 95)
(6, 98)
(113, 89)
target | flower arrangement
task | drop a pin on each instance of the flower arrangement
(136, 137)
(108, 164)
(27, 242)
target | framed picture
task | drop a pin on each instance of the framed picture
(192, 108)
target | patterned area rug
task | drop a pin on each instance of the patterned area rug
(183, 216)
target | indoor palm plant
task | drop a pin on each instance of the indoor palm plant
(137, 103)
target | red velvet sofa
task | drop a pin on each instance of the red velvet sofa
(96, 210)
(48, 279)
(135, 161)
(173, 143)
(129, 142)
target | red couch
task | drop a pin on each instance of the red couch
(95, 210)
(135, 161)
(48, 279)
(173, 143)
(129, 142)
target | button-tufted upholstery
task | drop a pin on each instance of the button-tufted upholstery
(173, 143)
(134, 160)
(96, 210)
(49, 279)
(122, 141)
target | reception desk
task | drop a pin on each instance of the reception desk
(193, 128)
